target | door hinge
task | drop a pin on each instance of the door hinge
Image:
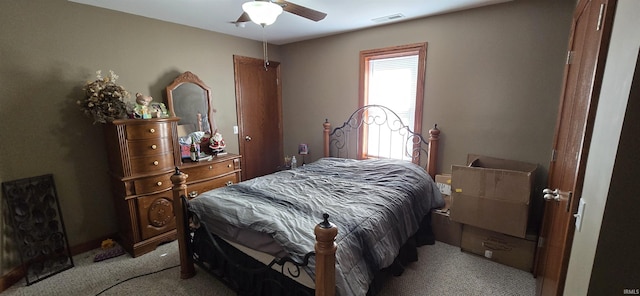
(554, 155)
(540, 242)
(570, 57)
(600, 17)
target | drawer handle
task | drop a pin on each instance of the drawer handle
(154, 147)
(193, 194)
(159, 183)
(152, 130)
(229, 165)
(211, 167)
(156, 162)
(229, 183)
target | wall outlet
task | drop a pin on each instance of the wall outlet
(488, 253)
(235, 129)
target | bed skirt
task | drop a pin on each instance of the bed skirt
(248, 276)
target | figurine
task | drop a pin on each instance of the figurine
(217, 144)
(142, 109)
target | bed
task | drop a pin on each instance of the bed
(367, 214)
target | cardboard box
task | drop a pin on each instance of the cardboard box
(443, 181)
(493, 194)
(505, 249)
(445, 230)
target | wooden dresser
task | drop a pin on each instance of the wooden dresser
(143, 154)
(221, 171)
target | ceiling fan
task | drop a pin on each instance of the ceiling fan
(287, 6)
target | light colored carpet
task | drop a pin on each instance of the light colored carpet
(441, 270)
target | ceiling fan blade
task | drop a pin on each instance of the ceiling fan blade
(244, 17)
(302, 11)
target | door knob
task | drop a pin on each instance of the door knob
(556, 194)
(247, 138)
(551, 194)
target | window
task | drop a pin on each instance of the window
(392, 77)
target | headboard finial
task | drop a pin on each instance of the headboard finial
(434, 132)
(325, 223)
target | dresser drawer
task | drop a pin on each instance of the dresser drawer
(150, 164)
(148, 131)
(155, 214)
(152, 184)
(149, 147)
(195, 189)
(210, 170)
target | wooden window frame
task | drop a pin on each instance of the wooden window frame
(419, 49)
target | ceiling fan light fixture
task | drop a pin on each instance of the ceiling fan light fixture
(263, 13)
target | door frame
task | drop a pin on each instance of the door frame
(596, 85)
(275, 66)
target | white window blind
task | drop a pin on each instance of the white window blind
(392, 82)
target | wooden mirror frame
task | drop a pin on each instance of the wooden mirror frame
(188, 77)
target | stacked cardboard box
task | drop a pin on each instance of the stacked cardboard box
(490, 197)
(445, 230)
(443, 181)
(493, 194)
(505, 249)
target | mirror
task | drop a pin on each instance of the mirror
(190, 99)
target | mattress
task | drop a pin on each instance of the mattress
(377, 205)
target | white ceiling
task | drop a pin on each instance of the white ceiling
(342, 15)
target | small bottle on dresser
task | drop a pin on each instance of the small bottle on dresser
(193, 151)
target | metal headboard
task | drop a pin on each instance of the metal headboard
(384, 127)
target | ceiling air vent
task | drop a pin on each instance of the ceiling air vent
(388, 18)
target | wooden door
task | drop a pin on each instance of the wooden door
(259, 107)
(583, 76)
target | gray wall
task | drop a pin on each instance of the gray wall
(493, 82)
(49, 49)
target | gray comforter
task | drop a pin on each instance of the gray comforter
(376, 204)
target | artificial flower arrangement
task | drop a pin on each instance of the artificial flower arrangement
(104, 99)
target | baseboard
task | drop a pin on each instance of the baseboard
(13, 276)
(90, 245)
